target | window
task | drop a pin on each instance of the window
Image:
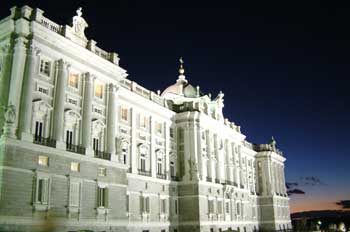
(238, 207)
(95, 144)
(38, 131)
(159, 166)
(75, 166)
(98, 90)
(143, 164)
(124, 113)
(162, 206)
(143, 121)
(45, 67)
(159, 128)
(172, 135)
(69, 139)
(73, 80)
(227, 207)
(144, 204)
(219, 207)
(172, 169)
(102, 197)
(42, 195)
(102, 171)
(127, 203)
(43, 160)
(210, 206)
(176, 208)
(74, 194)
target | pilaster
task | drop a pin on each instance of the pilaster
(134, 152)
(87, 113)
(112, 121)
(16, 81)
(153, 158)
(28, 89)
(58, 117)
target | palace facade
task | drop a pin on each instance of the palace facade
(84, 148)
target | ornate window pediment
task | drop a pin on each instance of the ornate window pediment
(98, 125)
(71, 116)
(160, 153)
(143, 149)
(41, 108)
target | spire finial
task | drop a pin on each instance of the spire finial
(181, 70)
(182, 77)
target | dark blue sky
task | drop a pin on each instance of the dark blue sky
(283, 66)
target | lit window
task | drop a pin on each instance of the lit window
(45, 67)
(75, 167)
(73, 80)
(102, 171)
(124, 114)
(43, 160)
(143, 121)
(98, 90)
(159, 128)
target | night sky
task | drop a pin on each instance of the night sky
(283, 66)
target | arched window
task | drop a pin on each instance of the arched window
(72, 121)
(97, 132)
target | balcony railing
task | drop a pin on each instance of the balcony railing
(45, 141)
(102, 155)
(242, 186)
(217, 181)
(75, 148)
(144, 172)
(175, 178)
(228, 182)
(209, 179)
(161, 176)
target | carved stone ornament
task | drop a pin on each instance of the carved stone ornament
(10, 114)
(79, 24)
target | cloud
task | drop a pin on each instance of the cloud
(295, 191)
(290, 185)
(311, 181)
(345, 204)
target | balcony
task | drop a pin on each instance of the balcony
(45, 141)
(102, 155)
(75, 148)
(161, 176)
(209, 179)
(217, 181)
(228, 182)
(175, 178)
(144, 172)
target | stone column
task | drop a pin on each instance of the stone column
(209, 161)
(187, 151)
(112, 121)
(134, 148)
(60, 98)
(201, 167)
(153, 158)
(87, 113)
(28, 89)
(15, 90)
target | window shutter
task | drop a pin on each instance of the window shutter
(74, 194)
(45, 191)
(147, 204)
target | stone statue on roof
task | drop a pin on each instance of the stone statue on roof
(79, 24)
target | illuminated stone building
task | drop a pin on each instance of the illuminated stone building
(85, 148)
